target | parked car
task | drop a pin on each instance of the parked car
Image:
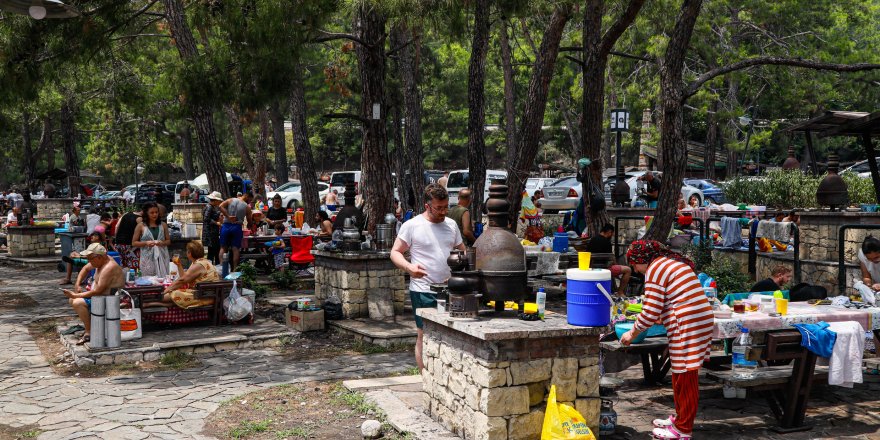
(458, 180)
(562, 195)
(632, 180)
(712, 191)
(536, 184)
(431, 176)
(159, 192)
(291, 194)
(861, 168)
(110, 195)
(340, 178)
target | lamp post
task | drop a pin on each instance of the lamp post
(138, 169)
(747, 120)
(620, 123)
(40, 9)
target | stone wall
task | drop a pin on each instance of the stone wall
(491, 390)
(819, 231)
(31, 241)
(53, 209)
(368, 283)
(189, 212)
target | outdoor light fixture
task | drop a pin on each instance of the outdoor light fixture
(37, 12)
(39, 9)
(745, 121)
(620, 123)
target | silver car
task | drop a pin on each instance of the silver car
(562, 195)
(632, 179)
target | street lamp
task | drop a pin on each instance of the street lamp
(138, 170)
(748, 121)
(39, 9)
(619, 124)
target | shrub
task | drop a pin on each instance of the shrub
(727, 275)
(789, 189)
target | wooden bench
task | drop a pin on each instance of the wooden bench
(786, 387)
(654, 353)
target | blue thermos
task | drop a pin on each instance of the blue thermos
(560, 241)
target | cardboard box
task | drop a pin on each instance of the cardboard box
(304, 321)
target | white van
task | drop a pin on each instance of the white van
(340, 178)
(458, 180)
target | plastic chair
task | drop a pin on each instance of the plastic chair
(300, 253)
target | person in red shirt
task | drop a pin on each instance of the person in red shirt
(675, 298)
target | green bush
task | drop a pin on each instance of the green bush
(700, 254)
(790, 189)
(285, 279)
(727, 275)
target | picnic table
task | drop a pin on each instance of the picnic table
(654, 353)
(798, 313)
(175, 315)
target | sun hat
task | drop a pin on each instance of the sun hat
(94, 249)
(215, 196)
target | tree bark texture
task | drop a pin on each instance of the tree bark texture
(533, 113)
(185, 137)
(279, 142)
(375, 187)
(673, 148)
(711, 143)
(410, 59)
(477, 108)
(46, 146)
(238, 136)
(400, 163)
(262, 154)
(29, 157)
(597, 47)
(305, 162)
(68, 139)
(509, 91)
(202, 116)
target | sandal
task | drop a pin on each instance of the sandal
(669, 433)
(73, 329)
(83, 340)
(664, 423)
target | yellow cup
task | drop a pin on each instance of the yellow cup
(781, 306)
(584, 260)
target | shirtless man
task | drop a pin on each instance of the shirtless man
(108, 278)
(332, 200)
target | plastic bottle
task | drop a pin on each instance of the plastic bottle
(742, 367)
(541, 300)
(712, 294)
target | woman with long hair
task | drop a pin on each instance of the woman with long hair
(152, 237)
(675, 298)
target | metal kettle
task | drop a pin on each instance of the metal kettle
(607, 418)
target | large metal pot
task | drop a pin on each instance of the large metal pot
(500, 257)
(384, 237)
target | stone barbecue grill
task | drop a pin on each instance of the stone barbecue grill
(367, 283)
(489, 378)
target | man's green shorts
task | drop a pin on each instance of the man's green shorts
(421, 300)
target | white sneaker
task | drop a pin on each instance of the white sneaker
(663, 423)
(669, 433)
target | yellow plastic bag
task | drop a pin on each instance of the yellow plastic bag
(562, 422)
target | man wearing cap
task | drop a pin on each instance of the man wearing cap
(108, 278)
(212, 222)
(235, 211)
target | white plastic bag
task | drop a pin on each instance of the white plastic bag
(130, 323)
(236, 306)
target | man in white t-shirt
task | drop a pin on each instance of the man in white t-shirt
(429, 238)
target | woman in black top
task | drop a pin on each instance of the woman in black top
(130, 255)
(211, 227)
(276, 215)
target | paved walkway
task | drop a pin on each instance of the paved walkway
(162, 405)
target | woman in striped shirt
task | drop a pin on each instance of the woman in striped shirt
(675, 298)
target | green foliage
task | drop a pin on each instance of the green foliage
(247, 428)
(782, 189)
(355, 400)
(248, 279)
(860, 190)
(285, 279)
(700, 254)
(728, 276)
(177, 360)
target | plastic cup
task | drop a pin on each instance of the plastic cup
(584, 260)
(781, 306)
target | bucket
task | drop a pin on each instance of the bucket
(589, 303)
(560, 242)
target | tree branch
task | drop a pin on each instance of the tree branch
(617, 29)
(125, 37)
(330, 36)
(777, 61)
(613, 52)
(346, 116)
(575, 60)
(393, 50)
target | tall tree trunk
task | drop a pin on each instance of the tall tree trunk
(279, 143)
(46, 146)
(533, 113)
(305, 162)
(262, 154)
(29, 157)
(711, 142)
(410, 59)
(375, 186)
(672, 142)
(509, 91)
(477, 108)
(68, 139)
(185, 136)
(202, 116)
(240, 144)
(400, 163)
(608, 146)
(597, 47)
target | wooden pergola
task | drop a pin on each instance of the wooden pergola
(821, 124)
(864, 128)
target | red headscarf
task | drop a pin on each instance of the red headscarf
(646, 251)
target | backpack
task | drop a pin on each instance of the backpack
(805, 292)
